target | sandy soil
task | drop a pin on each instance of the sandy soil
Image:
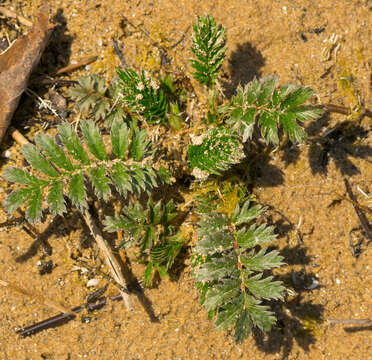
(290, 38)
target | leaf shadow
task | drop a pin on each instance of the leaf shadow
(340, 143)
(297, 321)
(244, 65)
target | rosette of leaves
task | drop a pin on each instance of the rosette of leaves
(208, 45)
(142, 95)
(231, 267)
(264, 103)
(151, 229)
(64, 171)
(96, 99)
(215, 152)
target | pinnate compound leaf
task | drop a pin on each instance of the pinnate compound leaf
(208, 45)
(231, 279)
(269, 106)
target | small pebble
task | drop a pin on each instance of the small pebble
(92, 282)
(6, 154)
(338, 281)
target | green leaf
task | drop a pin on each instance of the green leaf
(139, 144)
(19, 176)
(208, 45)
(118, 223)
(120, 139)
(228, 314)
(147, 276)
(269, 128)
(229, 279)
(294, 131)
(121, 179)
(17, 198)
(262, 260)
(167, 252)
(55, 198)
(267, 88)
(34, 211)
(77, 192)
(169, 212)
(297, 97)
(155, 212)
(73, 143)
(249, 238)
(162, 271)
(101, 182)
(37, 161)
(248, 213)
(259, 314)
(55, 153)
(217, 269)
(93, 139)
(243, 326)
(264, 288)
(148, 239)
(220, 149)
(222, 294)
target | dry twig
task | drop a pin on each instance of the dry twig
(12, 14)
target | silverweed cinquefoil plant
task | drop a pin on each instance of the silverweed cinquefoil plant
(232, 265)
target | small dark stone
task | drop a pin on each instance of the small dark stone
(86, 319)
(303, 37)
(45, 267)
(318, 30)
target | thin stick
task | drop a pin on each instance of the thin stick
(38, 297)
(109, 256)
(72, 67)
(12, 14)
(17, 136)
(362, 218)
(350, 321)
